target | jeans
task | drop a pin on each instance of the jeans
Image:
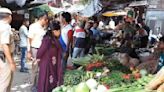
(64, 62)
(78, 52)
(93, 50)
(23, 57)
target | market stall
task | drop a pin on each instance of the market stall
(118, 64)
(104, 73)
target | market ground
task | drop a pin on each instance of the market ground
(21, 81)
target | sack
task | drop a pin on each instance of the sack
(10, 1)
(20, 2)
(150, 66)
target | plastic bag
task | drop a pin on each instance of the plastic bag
(10, 1)
(20, 2)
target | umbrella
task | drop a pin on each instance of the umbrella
(76, 8)
(114, 13)
(51, 10)
(56, 10)
(36, 11)
(91, 8)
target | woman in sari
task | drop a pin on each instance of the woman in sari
(49, 58)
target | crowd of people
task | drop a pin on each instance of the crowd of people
(47, 43)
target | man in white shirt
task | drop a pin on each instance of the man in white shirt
(66, 37)
(35, 36)
(23, 32)
(101, 25)
(112, 24)
(74, 20)
(7, 64)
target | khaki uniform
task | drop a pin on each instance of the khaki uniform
(5, 70)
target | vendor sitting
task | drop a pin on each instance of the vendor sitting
(161, 48)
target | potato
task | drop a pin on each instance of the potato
(134, 62)
(123, 58)
(150, 66)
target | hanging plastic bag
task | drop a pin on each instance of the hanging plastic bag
(20, 2)
(10, 1)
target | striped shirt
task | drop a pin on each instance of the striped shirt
(80, 36)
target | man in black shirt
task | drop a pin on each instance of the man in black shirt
(144, 26)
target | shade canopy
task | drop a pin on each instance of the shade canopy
(138, 3)
(114, 13)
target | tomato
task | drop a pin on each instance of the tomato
(126, 76)
(108, 87)
(137, 75)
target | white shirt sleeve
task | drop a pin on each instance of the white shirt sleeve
(28, 46)
(73, 22)
(25, 31)
(31, 32)
(5, 37)
(74, 34)
(145, 32)
(30, 35)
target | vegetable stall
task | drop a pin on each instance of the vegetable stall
(104, 73)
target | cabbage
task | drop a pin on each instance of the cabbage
(64, 89)
(93, 90)
(143, 72)
(57, 89)
(101, 88)
(71, 89)
(92, 83)
(82, 87)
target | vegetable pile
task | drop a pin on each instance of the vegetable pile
(99, 73)
(73, 77)
(91, 85)
(96, 65)
(90, 61)
(115, 65)
(136, 86)
(106, 50)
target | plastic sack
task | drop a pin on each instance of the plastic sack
(20, 2)
(10, 1)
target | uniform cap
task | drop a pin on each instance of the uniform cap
(5, 10)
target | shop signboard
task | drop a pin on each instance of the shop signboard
(26, 16)
(139, 3)
(18, 2)
(155, 20)
(41, 1)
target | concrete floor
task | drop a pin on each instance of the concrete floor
(21, 81)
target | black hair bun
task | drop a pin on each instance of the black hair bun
(54, 25)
